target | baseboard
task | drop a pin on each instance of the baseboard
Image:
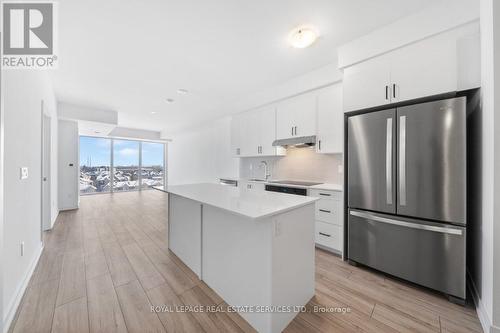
(68, 208)
(10, 312)
(481, 311)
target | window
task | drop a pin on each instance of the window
(112, 165)
(152, 170)
(95, 165)
(125, 165)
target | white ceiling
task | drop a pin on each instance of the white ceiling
(130, 55)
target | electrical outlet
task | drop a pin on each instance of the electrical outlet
(22, 249)
(24, 172)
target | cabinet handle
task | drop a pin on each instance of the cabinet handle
(295, 130)
(323, 234)
(325, 194)
(319, 144)
(386, 92)
(292, 130)
(325, 211)
(393, 90)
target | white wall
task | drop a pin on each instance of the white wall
(440, 17)
(484, 259)
(202, 154)
(69, 152)
(23, 92)
(495, 10)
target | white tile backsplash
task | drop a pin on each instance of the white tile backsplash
(298, 164)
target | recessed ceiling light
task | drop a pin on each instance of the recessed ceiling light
(153, 112)
(170, 100)
(303, 36)
(182, 91)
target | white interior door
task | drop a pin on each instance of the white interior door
(46, 176)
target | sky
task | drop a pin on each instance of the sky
(126, 152)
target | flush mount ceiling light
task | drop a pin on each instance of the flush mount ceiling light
(170, 100)
(153, 112)
(182, 91)
(302, 36)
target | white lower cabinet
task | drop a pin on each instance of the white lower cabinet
(329, 219)
(329, 235)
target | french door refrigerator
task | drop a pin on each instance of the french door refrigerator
(407, 193)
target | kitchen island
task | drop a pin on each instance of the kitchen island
(256, 250)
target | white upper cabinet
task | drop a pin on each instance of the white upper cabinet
(429, 67)
(424, 69)
(296, 116)
(236, 135)
(266, 127)
(253, 133)
(367, 84)
(330, 115)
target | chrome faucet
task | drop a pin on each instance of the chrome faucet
(266, 170)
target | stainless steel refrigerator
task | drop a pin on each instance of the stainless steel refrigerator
(406, 184)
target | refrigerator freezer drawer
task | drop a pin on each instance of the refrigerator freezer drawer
(429, 254)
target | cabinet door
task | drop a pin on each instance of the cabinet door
(423, 69)
(295, 116)
(249, 132)
(285, 119)
(367, 84)
(305, 114)
(330, 134)
(236, 127)
(266, 127)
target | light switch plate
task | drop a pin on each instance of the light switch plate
(24, 172)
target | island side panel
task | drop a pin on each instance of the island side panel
(237, 261)
(293, 263)
(184, 238)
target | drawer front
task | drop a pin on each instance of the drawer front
(329, 235)
(327, 211)
(333, 195)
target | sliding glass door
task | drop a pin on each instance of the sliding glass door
(95, 165)
(113, 165)
(152, 169)
(125, 165)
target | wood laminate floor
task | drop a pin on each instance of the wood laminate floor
(106, 264)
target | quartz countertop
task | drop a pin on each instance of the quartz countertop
(252, 204)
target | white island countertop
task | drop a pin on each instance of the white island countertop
(252, 204)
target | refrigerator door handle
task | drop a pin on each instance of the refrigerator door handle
(402, 161)
(443, 230)
(388, 161)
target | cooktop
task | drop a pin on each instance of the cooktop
(294, 182)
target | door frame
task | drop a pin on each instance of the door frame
(46, 176)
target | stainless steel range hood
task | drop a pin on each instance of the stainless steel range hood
(301, 141)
